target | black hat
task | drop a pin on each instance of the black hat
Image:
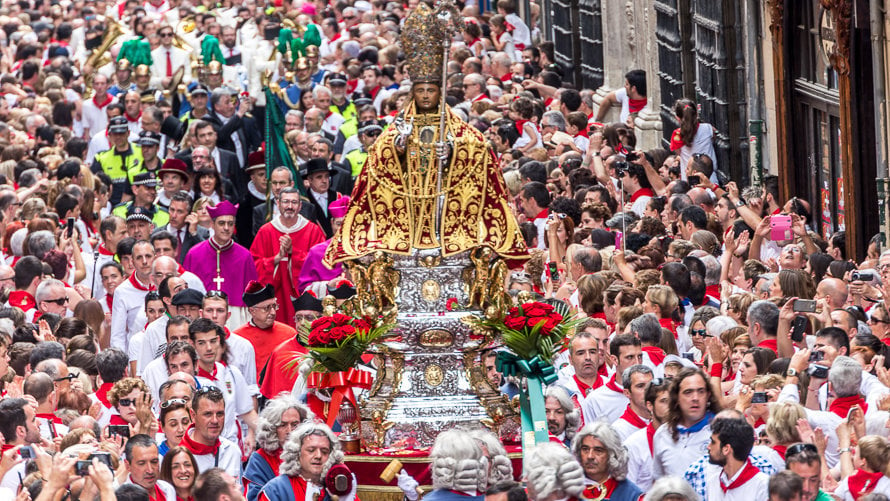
(369, 126)
(145, 179)
(362, 100)
(199, 89)
(255, 293)
(344, 290)
(118, 125)
(149, 138)
(337, 79)
(315, 165)
(173, 128)
(307, 302)
(135, 213)
(187, 297)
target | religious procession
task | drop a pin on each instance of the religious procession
(343, 250)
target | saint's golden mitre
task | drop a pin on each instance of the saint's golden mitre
(424, 36)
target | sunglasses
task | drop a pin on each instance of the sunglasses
(167, 35)
(801, 447)
(699, 332)
(208, 389)
(874, 320)
(175, 401)
(126, 402)
(219, 294)
(61, 301)
(69, 377)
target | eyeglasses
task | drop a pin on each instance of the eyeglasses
(176, 401)
(217, 294)
(373, 133)
(69, 377)
(166, 35)
(267, 308)
(61, 301)
(126, 402)
(699, 332)
(659, 381)
(801, 447)
(299, 318)
(874, 320)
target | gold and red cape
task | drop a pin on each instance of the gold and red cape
(393, 205)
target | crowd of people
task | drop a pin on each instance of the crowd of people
(156, 265)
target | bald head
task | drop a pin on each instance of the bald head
(39, 385)
(834, 290)
(701, 197)
(183, 376)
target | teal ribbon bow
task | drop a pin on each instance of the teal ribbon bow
(533, 414)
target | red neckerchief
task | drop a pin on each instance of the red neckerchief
(5, 447)
(22, 299)
(180, 271)
(668, 324)
(475, 41)
(209, 375)
(102, 394)
(842, 405)
(159, 494)
(612, 385)
(89, 225)
(273, 458)
(759, 422)
(772, 344)
(109, 300)
(520, 126)
(374, 92)
(50, 417)
(138, 285)
(748, 472)
(480, 97)
(133, 119)
(862, 482)
(603, 371)
(650, 436)
(508, 27)
(104, 103)
(104, 251)
(335, 37)
(642, 192)
(507, 78)
(635, 105)
(543, 214)
(633, 418)
(116, 419)
(583, 387)
(298, 484)
(582, 133)
(196, 448)
(186, 499)
(713, 291)
(781, 449)
(656, 354)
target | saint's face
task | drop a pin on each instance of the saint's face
(426, 97)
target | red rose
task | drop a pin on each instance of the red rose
(449, 305)
(533, 321)
(362, 325)
(514, 311)
(322, 323)
(514, 322)
(324, 338)
(341, 319)
(549, 325)
(535, 310)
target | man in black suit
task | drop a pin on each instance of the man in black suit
(341, 177)
(183, 225)
(279, 179)
(317, 177)
(236, 131)
(203, 134)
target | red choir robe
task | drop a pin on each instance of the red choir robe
(284, 276)
(280, 372)
(265, 341)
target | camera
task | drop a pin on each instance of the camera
(862, 276)
(818, 371)
(759, 397)
(817, 356)
(26, 452)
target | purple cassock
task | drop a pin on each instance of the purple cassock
(313, 270)
(228, 268)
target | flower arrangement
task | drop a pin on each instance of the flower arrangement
(535, 329)
(337, 342)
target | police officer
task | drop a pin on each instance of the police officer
(144, 194)
(368, 132)
(151, 162)
(117, 161)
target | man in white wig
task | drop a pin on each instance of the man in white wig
(552, 473)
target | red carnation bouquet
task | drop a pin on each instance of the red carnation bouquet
(535, 329)
(337, 342)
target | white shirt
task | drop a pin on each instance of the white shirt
(155, 374)
(50, 430)
(604, 404)
(332, 124)
(322, 199)
(167, 490)
(228, 458)
(625, 429)
(95, 119)
(755, 488)
(127, 314)
(702, 143)
(673, 457)
(521, 33)
(154, 343)
(639, 460)
(236, 394)
(843, 489)
(243, 356)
